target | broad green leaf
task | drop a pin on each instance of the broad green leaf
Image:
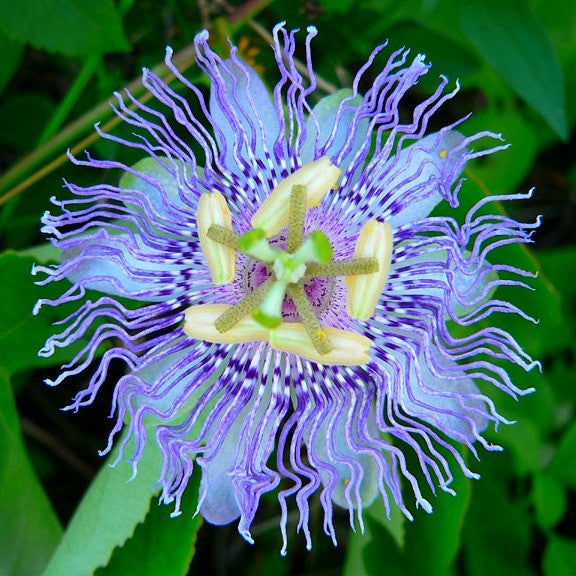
(506, 171)
(20, 117)
(556, 262)
(559, 364)
(549, 500)
(429, 5)
(497, 535)
(29, 529)
(10, 54)
(107, 515)
(559, 557)
(559, 18)
(375, 519)
(523, 440)
(71, 27)
(431, 543)
(160, 545)
(563, 466)
(516, 44)
(452, 59)
(21, 333)
(338, 6)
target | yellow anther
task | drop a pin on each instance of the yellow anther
(350, 348)
(199, 324)
(443, 153)
(318, 177)
(374, 241)
(221, 259)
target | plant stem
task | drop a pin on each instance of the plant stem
(18, 178)
(183, 60)
(70, 99)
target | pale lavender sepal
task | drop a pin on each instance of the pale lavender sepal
(118, 265)
(242, 109)
(429, 160)
(327, 128)
(447, 400)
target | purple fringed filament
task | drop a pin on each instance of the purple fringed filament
(292, 294)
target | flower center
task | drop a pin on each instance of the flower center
(259, 316)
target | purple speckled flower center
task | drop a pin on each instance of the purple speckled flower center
(318, 290)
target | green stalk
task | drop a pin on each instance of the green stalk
(73, 132)
(44, 159)
(70, 99)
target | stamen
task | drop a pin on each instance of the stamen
(233, 314)
(318, 177)
(374, 241)
(221, 259)
(258, 316)
(254, 244)
(354, 267)
(200, 323)
(297, 217)
(350, 348)
(223, 236)
(315, 330)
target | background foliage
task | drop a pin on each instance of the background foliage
(65, 512)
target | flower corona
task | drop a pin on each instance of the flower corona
(290, 315)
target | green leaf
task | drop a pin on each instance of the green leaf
(107, 516)
(559, 557)
(71, 27)
(516, 44)
(453, 59)
(429, 5)
(375, 520)
(497, 536)
(563, 466)
(507, 170)
(29, 529)
(559, 18)
(11, 53)
(160, 545)
(337, 6)
(559, 364)
(523, 440)
(549, 501)
(21, 333)
(431, 542)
